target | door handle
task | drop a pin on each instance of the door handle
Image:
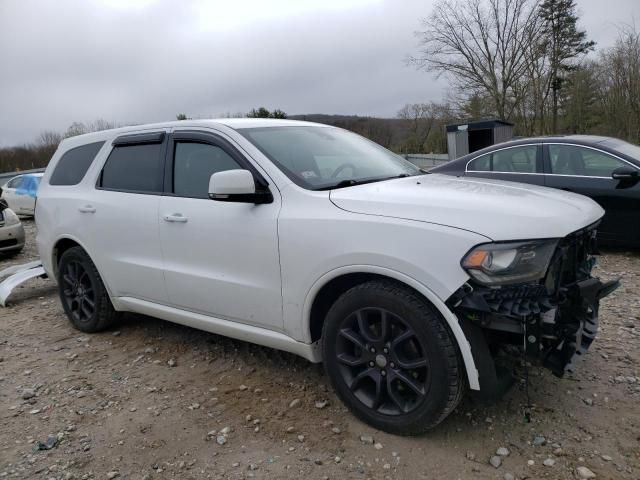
(175, 218)
(87, 209)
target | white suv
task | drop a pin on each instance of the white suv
(314, 240)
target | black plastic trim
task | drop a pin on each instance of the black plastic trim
(139, 139)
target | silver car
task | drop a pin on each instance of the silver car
(11, 231)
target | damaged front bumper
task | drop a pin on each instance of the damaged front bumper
(554, 320)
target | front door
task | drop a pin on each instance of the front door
(221, 258)
(587, 171)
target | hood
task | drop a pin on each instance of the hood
(496, 209)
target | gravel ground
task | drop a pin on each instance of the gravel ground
(154, 400)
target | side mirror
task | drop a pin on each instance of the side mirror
(625, 173)
(237, 186)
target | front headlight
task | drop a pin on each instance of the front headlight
(495, 264)
(10, 218)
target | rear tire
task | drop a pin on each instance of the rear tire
(83, 295)
(392, 359)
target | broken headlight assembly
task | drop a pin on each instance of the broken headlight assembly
(504, 263)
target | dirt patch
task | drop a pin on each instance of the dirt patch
(112, 406)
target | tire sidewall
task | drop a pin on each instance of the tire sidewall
(418, 316)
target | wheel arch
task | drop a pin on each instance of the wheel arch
(332, 284)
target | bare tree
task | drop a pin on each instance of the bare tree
(620, 85)
(48, 138)
(481, 45)
(422, 121)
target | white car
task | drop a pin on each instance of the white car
(311, 239)
(20, 193)
(11, 232)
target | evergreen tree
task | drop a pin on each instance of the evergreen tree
(564, 43)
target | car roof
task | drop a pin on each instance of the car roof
(234, 123)
(588, 140)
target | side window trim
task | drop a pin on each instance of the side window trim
(539, 164)
(129, 141)
(604, 152)
(210, 138)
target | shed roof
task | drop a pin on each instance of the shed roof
(481, 125)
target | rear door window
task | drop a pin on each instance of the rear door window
(134, 168)
(73, 165)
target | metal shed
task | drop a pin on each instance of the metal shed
(463, 138)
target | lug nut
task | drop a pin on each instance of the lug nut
(371, 364)
(383, 373)
(385, 350)
(372, 350)
(392, 365)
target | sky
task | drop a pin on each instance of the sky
(141, 61)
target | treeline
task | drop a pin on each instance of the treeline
(528, 62)
(38, 153)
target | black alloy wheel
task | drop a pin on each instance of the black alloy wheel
(382, 361)
(78, 292)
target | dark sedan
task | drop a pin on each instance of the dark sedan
(605, 169)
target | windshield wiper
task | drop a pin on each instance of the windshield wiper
(351, 182)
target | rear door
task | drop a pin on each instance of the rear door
(587, 171)
(519, 163)
(122, 215)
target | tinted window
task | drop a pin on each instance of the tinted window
(481, 164)
(574, 160)
(73, 165)
(516, 159)
(137, 168)
(194, 163)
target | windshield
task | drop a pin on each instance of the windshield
(319, 158)
(623, 147)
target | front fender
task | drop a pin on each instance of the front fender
(448, 315)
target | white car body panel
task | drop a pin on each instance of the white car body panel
(18, 201)
(277, 257)
(491, 207)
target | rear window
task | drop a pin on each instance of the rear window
(134, 168)
(73, 165)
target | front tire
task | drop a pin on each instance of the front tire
(391, 358)
(83, 295)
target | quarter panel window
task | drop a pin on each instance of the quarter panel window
(581, 161)
(136, 168)
(194, 163)
(73, 165)
(481, 164)
(515, 160)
